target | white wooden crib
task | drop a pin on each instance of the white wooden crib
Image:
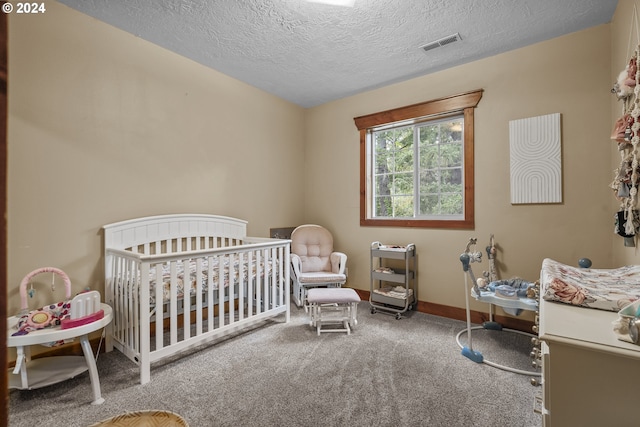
(189, 255)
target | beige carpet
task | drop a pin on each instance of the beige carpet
(387, 373)
(144, 419)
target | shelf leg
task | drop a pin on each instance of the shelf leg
(93, 370)
(21, 366)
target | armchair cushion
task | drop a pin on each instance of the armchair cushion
(314, 245)
(321, 277)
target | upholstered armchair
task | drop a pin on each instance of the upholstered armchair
(314, 263)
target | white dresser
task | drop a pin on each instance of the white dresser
(590, 377)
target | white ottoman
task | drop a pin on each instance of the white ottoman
(333, 306)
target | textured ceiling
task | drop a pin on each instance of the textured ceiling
(312, 53)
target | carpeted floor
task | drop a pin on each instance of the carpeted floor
(388, 372)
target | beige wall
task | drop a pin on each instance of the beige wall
(624, 41)
(104, 126)
(568, 75)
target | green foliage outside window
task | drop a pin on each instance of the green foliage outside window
(422, 162)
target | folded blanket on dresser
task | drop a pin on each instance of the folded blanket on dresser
(603, 289)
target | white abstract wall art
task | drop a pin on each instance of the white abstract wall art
(536, 163)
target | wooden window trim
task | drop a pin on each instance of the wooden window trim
(465, 103)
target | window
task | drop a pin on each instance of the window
(416, 164)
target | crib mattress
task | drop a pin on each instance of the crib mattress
(603, 289)
(230, 274)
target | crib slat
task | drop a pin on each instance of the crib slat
(113, 296)
(276, 282)
(272, 276)
(198, 295)
(250, 284)
(281, 264)
(210, 294)
(241, 286)
(229, 284)
(259, 278)
(144, 317)
(130, 297)
(220, 284)
(173, 303)
(186, 299)
(266, 295)
(118, 305)
(128, 324)
(159, 298)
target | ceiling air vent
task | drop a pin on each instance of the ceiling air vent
(441, 42)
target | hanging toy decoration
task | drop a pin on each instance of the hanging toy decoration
(627, 134)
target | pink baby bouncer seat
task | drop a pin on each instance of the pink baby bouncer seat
(82, 309)
(51, 325)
